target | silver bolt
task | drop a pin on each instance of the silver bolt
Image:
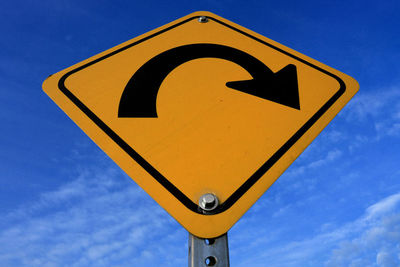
(208, 202)
(203, 19)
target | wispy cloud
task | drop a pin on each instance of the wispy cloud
(329, 157)
(372, 104)
(371, 240)
(99, 219)
(383, 206)
(380, 109)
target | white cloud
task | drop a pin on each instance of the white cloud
(328, 158)
(371, 240)
(372, 105)
(331, 156)
(99, 219)
(383, 206)
(386, 259)
(380, 109)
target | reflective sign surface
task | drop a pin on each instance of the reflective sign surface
(202, 107)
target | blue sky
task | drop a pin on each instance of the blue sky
(65, 203)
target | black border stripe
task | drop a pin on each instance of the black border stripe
(156, 174)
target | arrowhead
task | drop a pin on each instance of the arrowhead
(280, 87)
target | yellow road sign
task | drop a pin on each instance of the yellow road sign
(202, 105)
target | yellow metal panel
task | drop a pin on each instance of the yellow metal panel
(206, 137)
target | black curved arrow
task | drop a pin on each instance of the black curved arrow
(140, 94)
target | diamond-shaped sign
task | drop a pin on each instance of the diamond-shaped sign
(202, 105)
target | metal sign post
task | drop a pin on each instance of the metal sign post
(208, 251)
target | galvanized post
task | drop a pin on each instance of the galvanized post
(208, 251)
